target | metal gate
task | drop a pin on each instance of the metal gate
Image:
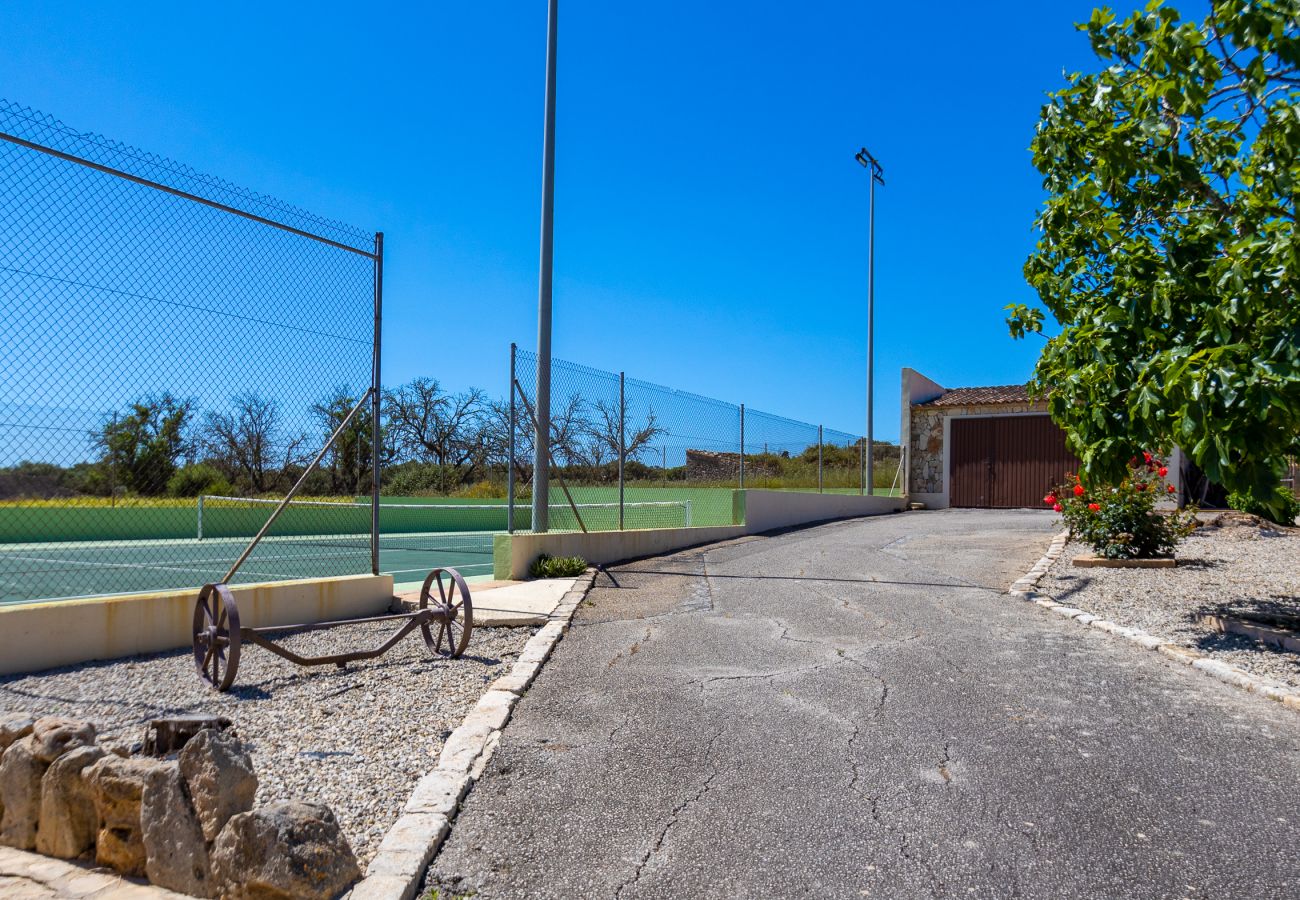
(1006, 462)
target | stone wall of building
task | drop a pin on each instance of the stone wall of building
(925, 466)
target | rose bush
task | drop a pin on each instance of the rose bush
(1121, 522)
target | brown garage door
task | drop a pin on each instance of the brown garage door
(1006, 461)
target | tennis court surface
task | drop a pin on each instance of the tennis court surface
(55, 571)
(309, 539)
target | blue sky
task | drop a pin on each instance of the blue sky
(710, 219)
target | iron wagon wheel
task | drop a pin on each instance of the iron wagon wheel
(455, 619)
(216, 636)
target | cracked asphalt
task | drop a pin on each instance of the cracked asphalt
(858, 710)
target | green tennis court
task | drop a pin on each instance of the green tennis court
(53, 571)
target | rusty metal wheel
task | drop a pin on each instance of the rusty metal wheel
(455, 620)
(216, 636)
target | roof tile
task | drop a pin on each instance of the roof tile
(972, 396)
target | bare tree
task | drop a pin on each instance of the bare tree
(604, 434)
(250, 440)
(431, 425)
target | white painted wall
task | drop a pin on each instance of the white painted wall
(764, 511)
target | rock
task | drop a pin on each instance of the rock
(68, 821)
(117, 786)
(20, 794)
(290, 849)
(13, 726)
(176, 856)
(55, 736)
(219, 775)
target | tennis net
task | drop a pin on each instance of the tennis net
(221, 517)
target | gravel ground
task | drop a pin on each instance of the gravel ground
(1235, 567)
(356, 739)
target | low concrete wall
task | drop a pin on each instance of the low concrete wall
(761, 511)
(767, 510)
(514, 553)
(35, 636)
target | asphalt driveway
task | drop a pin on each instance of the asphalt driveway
(858, 710)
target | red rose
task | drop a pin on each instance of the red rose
(1170, 488)
(1164, 470)
(1078, 490)
(1140, 487)
(1095, 507)
(1146, 457)
(1049, 499)
(1057, 507)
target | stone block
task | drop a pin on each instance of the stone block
(20, 794)
(55, 736)
(463, 747)
(14, 726)
(68, 820)
(176, 855)
(219, 776)
(290, 849)
(409, 845)
(492, 710)
(117, 785)
(439, 793)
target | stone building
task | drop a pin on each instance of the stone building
(984, 446)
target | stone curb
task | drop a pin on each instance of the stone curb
(1024, 588)
(410, 845)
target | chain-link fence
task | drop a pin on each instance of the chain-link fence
(168, 336)
(631, 454)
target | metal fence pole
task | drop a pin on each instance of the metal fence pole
(376, 445)
(510, 452)
(862, 477)
(819, 459)
(622, 442)
(541, 461)
(742, 446)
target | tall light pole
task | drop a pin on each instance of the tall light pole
(542, 437)
(877, 171)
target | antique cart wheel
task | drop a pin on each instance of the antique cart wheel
(216, 636)
(455, 619)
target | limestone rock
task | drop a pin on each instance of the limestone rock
(68, 821)
(13, 726)
(290, 849)
(20, 794)
(219, 775)
(176, 856)
(117, 786)
(55, 736)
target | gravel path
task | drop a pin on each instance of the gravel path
(1236, 567)
(357, 738)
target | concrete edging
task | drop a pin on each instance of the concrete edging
(1024, 588)
(398, 868)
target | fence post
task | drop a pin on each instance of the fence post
(862, 474)
(622, 443)
(742, 446)
(819, 459)
(112, 466)
(376, 445)
(510, 451)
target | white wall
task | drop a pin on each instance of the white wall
(764, 511)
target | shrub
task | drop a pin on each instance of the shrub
(195, 479)
(547, 566)
(483, 490)
(1283, 507)
(1121, 522)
